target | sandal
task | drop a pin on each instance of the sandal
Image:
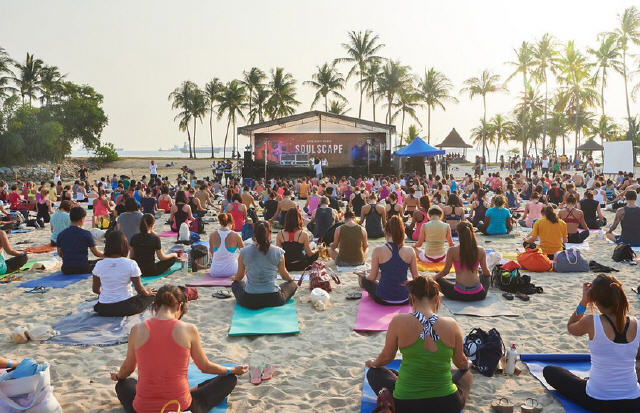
(531, 405)
(502, 405)
(355, 295)
(255, 375)
(37, 290)
(522, 296)
(222, 294)
(508, 296)
(267, 372)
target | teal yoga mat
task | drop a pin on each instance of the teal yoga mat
(270, 320)
(196, 377)
(175, 267)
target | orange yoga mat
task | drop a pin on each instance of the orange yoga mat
(39, 249)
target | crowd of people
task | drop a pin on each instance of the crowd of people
(268, 228)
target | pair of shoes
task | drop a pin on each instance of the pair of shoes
(504, 405)
(259, 374)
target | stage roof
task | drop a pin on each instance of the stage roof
(317, 122)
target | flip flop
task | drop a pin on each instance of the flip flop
(255, 375)
(531, 405)
(221, 294)
(267, 372)
(522, 296)
(502, 405)
(356, 295)
(508, 296)
(37, 290)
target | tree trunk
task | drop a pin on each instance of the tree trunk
(524, 106)
(497, 145)
(402, 129)
(226, 135)
(564, 149)
(326, 108)
(544, 125)
(194, 138)
(429, 124)
(361, 91)
(373, 98)
(602, 91)
(211, 129)
(250, 96)
(189, 139)
(484, 126)
(626, 90)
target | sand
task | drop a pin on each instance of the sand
(321, 368)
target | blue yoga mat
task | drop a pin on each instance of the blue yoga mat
(83, 327)
(175, 267)
(578, 364)
(20, 231)
(369, 398)
(55, 280)
(270, 320)
(196, 377)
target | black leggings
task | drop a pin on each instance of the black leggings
(257, 301)
(301, 264)
(14, 263)
(158, 268)
(85, 269)
(447, 288)
(574, 388)
(130, 306)
(578, 237)
(371, 286)
(209, 393)
(382, 377)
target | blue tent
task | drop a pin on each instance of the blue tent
(418, 148)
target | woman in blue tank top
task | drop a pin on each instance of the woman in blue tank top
(393, 261)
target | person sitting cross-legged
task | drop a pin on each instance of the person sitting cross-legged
(74, 244)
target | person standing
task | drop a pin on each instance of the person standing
(84, 174)
(153, 173)
(318, 169)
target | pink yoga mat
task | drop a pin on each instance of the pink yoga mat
(168, 234)
(375, 317)
(209, 281)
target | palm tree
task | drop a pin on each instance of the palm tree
(435, 89)
(480, 134)
(558, 127)
(606, 56)
(370, 82)
(545, 57)
(327, 81)
(499, 127)
(627, 32)
(412, 133)
(232, 102)
(50, 83)
(606, 129)
(393, 79)
(282, 101)
(361, 50)
(181, 99)
(407, 102)
(212, 92)
(338, 107)
(28, 77)
(252, 80)
(259, 104)
(482, 86)
(198, 108)
(6, 74)
(523, 63)
(529, 110)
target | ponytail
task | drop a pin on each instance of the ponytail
(395, 228)
(550, 214)
(261, 233)
(621, 304)
(421, 287)
(607, 291)
(146, 222)
(225, 219)
(468, 245)
(170, 296)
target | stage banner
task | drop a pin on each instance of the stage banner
(332, 149)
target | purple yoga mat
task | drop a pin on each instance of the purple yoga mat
(168, 234)
(376, 317)
(209, 281)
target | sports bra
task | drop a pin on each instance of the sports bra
(458, 266)
(621, 337)
(221, 238)
(453, 216)
(570, 218)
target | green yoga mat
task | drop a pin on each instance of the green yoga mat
(29, 265)
(175, 267)
(270, 320)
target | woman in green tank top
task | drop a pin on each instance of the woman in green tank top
(428, 343)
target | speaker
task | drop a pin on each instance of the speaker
(248, 159)
(386, 158)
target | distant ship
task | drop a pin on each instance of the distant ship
(119, 149)
(175, 148)
(199, 149)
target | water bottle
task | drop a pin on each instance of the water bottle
(512, 356)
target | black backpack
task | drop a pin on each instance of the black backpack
(484, 349)
(623, 252)
(513, 281)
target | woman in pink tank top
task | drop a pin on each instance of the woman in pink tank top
(161, 348)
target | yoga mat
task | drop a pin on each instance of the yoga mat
(369, 398)
(353, 269)
(295, 275)
(375, 317)
(583, 246)
(209, 281)
(175, 267)
(83, 327)
(270, 320)
(21, 231)
(29, 265)
(635, 249)
(168, 234)
(578, 364)
(196, 377)
(39, 249)
(491, 306)
(55, 280)
(431, 266)
(202, 242)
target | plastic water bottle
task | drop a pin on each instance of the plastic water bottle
(512, 356)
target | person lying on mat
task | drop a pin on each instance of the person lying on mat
(574, 218)
(295, 242)
(629, 219)
(167, 339)
(428, 343)
(433, 234)
(145, 244)
(349, 246)
(12, 264)
(497, 220)
(113, 277)
(465, 258)
(261, 262)
(224, 248)
(60, 221)
(552, 232)
(74, 244)
(612, 385)
(393, 261)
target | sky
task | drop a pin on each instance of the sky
(136, 52)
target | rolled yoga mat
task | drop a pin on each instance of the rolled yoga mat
(375, 317)
(270, 320)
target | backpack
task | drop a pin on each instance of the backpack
(570, 261)
(319, 277)
(197, 225)
(623, 252)
(513, 282)
(198, 257)
(484, 349)
(247, 231)
(534, 260)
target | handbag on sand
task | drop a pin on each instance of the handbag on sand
(570, 261)
(31, 394)
(534, 260)
(171, 403)
(319, 277)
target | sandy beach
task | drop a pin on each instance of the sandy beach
(320, 369)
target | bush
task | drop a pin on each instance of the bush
(105, 153)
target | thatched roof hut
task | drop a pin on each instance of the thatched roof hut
(453, 140)
(590, 146)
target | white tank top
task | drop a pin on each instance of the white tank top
(613, 366)
(225, 262)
